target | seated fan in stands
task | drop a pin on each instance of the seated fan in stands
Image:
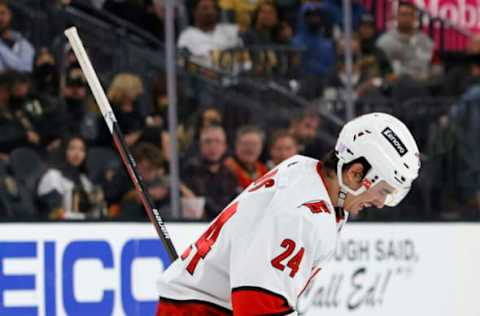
(245, 163)
(206, 37)
(65, 191)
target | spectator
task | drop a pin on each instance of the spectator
(207, 36)
(284, 33)
(207, 176)
(122, 198)
(65, 191)
(408, 49)
(147, 14)
(208, 116)
(35, 113)
(288, 12)
(45, 74)
(12, 132)
(365, 74)
(70, 59)
(318, 55)
(76, 117)
(154, 20)
(466, 72)
(239, 11)
(264, 25)
(156, 122)
(283, 145)
(16, 52)
(16, 129)
(336, 12)
(369, 51)
(205, 117)
(245, 164)
(266, 29)
(120, 193)
(305, 128)
(123, 93)
(327, 25)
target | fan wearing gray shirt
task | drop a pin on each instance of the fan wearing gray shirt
(408, 49)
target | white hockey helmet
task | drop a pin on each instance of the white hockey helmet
(387, 145)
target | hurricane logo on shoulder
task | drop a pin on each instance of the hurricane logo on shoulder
(317, 206)
(393, 139)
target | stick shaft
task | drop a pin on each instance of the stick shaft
(119, 140)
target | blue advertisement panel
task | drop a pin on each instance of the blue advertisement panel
(111, 269)
(79, 269)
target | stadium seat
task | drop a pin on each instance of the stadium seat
(27, 166)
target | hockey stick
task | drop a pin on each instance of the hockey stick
(118, 139)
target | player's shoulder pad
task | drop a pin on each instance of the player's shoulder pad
(295, 167)
(297, 170)
(301, 188)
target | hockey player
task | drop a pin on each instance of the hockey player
(259, 254)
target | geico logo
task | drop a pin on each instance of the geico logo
(463, 13)
(59, 293)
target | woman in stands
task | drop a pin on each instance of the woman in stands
(124, 94)
(65, 191)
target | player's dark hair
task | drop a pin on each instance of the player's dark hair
(330, 162)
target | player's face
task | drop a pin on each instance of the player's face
(283, 148)
(375, 196)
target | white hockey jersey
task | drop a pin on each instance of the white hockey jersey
(258, 255)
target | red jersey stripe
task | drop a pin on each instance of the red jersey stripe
(169, 307)
(249, 301)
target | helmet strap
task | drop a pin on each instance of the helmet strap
(341, 198)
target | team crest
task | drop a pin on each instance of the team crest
(317, 206)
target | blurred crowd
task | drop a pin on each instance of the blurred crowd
(57, 160)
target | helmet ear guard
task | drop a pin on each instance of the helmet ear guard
(386, 148)
(340, 168)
